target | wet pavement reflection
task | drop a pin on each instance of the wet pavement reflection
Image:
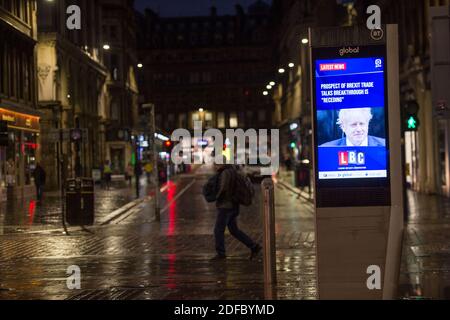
(30, 215)
(137, 257)
(425, 271)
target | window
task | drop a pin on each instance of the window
(241, 120)
(194, 77)
(233, 120)
(206, 77)
(182, 120)
(171, 120)
(221, 120)
(115, 112)
(114, 33)
(262, 116)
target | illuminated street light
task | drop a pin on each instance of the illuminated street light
(305, 40)
(281, 70)
(272, 83)
(200, 110)
(291, 65)
(269, 86)
(106, 47)
(140, 65)
(265, 93)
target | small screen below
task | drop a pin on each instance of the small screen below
(350, 118)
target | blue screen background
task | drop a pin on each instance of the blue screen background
(357, 70)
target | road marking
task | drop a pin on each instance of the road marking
(178, 195)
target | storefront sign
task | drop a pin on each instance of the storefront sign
(20, 120)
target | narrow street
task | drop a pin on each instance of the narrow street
(135, 257)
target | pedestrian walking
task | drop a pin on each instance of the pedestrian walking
(10, 173)
(129, 173)
(148, 170)
(39, 180)
(228, 212)
(107, 171)
(137, 174)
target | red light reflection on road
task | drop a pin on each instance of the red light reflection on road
(171, 191)
(171, 283)
(31, 211)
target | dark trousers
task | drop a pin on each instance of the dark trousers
(228, 218)
(39, 191)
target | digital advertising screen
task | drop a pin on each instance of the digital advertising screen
(350, 107)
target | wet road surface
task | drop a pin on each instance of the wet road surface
(139, 258)
(136, 257)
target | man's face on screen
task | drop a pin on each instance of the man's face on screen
(356, 127)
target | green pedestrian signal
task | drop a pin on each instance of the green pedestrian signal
(412, 123)
(410, 118)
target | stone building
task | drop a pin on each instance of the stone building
(18, 97)
(210, 68)
(72, 92)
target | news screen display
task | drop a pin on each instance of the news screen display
(350, 118)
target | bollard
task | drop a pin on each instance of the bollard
(268, 207)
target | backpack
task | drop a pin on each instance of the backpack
(211, 188)
(243, 189)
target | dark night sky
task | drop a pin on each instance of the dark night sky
(175, 8)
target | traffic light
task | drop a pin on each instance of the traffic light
(4, 133)
(168, 145)
(410, 118)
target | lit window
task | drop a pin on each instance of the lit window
(233, 120)
(221, 120)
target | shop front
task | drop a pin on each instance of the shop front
(18, 158)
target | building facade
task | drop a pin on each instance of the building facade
(72, 92)
(18, 97)
(292, 92)
(426, 154)
(119, 35)
(209, 68)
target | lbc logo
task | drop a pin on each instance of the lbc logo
(351, 157)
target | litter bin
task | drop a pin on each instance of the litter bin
(80, 201)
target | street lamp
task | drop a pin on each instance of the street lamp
(200, 110)
(106, 46)
(269, 87)
(281, 70)
(140, 65)
(305, 40)
(291, 65)
(272, 83)
(265, 93)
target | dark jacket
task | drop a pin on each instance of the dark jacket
(39, 176)
(226, 185)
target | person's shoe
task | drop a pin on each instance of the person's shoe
(255, 251)
(218, 257)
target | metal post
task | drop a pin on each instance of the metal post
(62, 181)
(152, 138)
(268, 207)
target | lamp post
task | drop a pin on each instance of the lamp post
(152, 140)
